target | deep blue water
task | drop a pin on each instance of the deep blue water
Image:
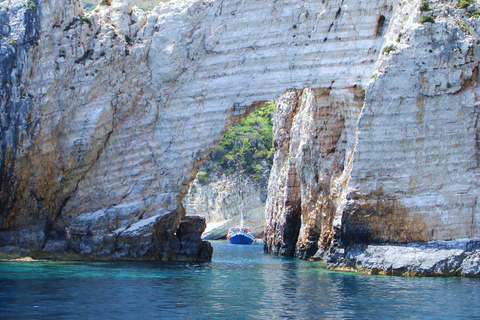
(241, 282)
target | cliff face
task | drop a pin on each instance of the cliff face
(393, 160)
(224, 200)
(106, 118)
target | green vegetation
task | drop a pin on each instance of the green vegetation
(388, 49)
(88, 6)
(475, 14)
(399, 38)
(464, 3)
(86, 20)
(465, 27)
(427, 18)
(202, 178)
(31, 5)
(106, 3)
(128, 40)
(425, 6)
(246, 147)
(13, 42)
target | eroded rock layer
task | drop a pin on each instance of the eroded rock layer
(314, 139)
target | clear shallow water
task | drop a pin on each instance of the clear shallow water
(240, 283)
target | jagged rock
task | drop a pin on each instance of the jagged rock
(189, 233)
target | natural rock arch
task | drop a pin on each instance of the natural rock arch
(115, 112)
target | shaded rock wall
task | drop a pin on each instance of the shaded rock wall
(314, 138)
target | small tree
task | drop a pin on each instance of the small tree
(464, 3)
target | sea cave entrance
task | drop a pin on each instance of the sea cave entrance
(232, 183)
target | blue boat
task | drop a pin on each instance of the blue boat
(241, 235)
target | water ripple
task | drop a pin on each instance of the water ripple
(241, 282)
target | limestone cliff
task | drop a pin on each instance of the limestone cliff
(393, 160)
(224, 200)
(106, 119)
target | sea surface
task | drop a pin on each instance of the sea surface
(241, 282)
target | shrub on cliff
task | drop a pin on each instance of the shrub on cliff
(425, 6)
(426, 18)
(464, 3)
(388, 49)
(202, 178)
(246, 147)
(88, 6)
(475, 14)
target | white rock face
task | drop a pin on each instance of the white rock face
(224, 200)
(422, 137)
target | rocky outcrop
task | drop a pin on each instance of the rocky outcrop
(191, 247)
(224, 200)
(314, 138)
(393, 160)
(459, 257)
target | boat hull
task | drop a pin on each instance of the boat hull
(241, 238)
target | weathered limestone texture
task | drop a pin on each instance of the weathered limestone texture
(105, 119)
(314, 139)
(395, 157)
(223, 201)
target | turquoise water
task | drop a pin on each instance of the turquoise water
(241, 282)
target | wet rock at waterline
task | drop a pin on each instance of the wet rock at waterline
(191, 246)
(460, 257)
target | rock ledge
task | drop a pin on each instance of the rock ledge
(460, 257)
